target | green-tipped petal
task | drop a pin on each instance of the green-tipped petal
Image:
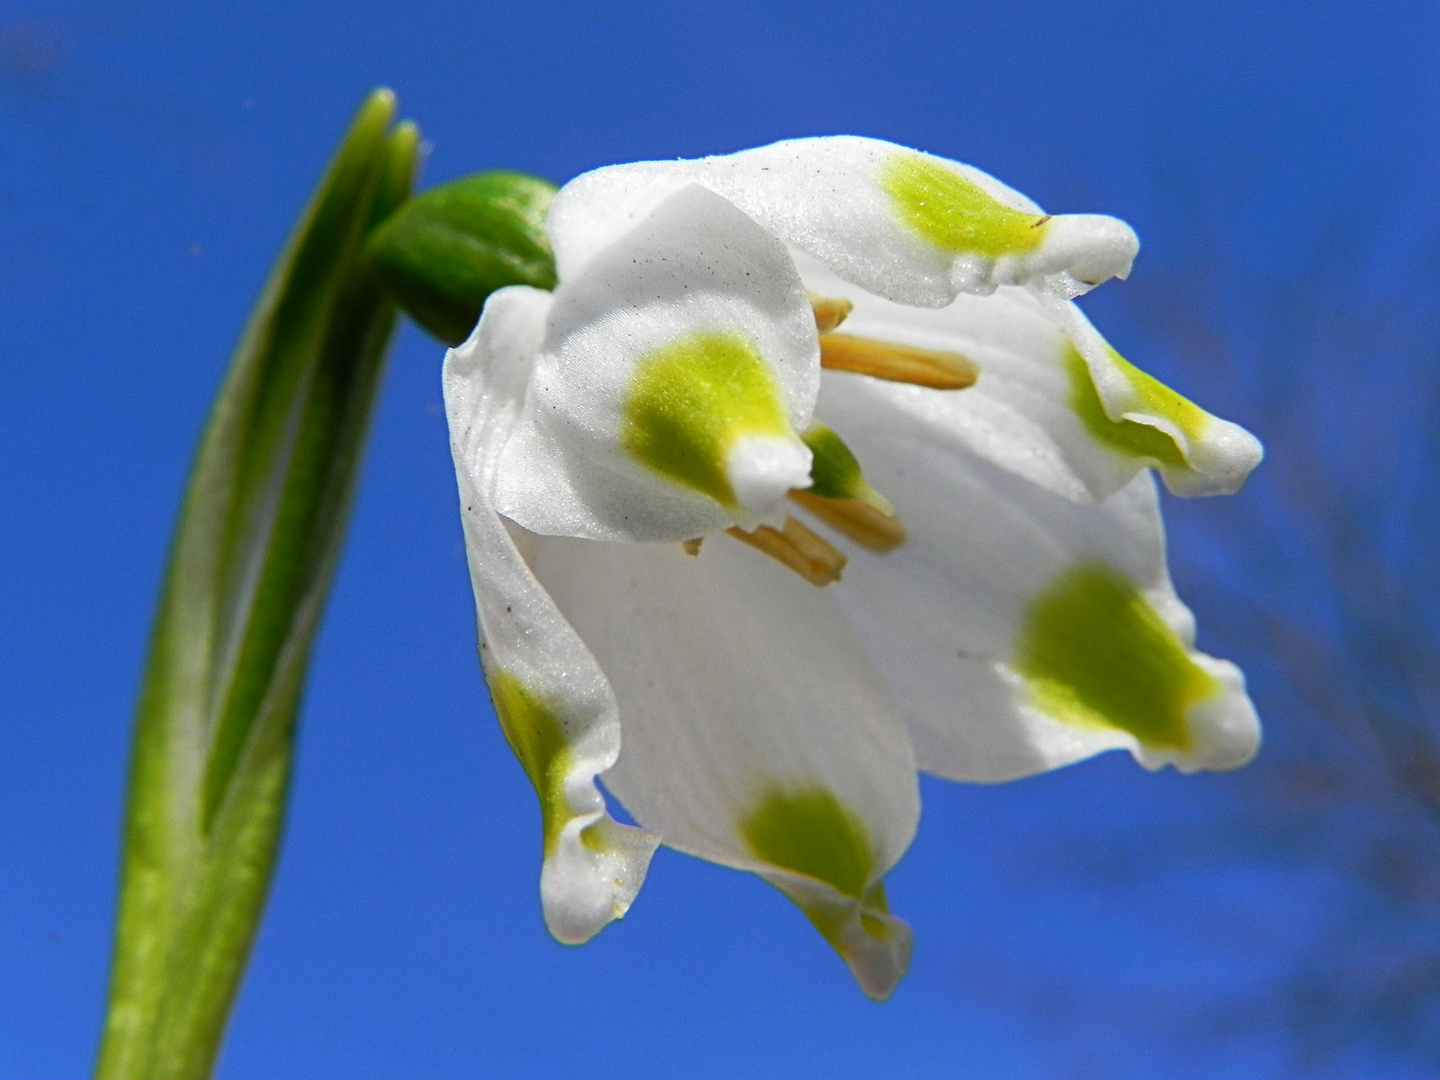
(912, 227)
(757, 734)
(1135, 416)
(1053, 402)
(1023, 630)
(667, 392)
(553, 702)
(823, 859)
(691, 406)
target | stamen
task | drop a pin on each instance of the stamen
(692, 547)
(830, 311)
(800, 548)
(867, 525)
(897, 363)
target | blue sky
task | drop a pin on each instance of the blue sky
(153, 156)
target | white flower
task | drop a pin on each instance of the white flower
(1004, 608)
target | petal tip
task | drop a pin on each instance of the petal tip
(877, 949)
(875, 945)
(762, 468)
(1225, 728)
(1091, 248)
(593, 876)
(1228, 725)
(1219, 462)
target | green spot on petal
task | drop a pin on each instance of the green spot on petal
(954, 214)
(692, 400)
(809, 831)
(1151, 396)
(832, 919)
(538, 739)
(1096, 654)
(876, 927)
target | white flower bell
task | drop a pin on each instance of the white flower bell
(997, 602)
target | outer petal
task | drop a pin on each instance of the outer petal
(552, 700)
(905, 225)
(674, 373)
(1135, 414)
(1054, 402)
(1023, 631)
(756, 732)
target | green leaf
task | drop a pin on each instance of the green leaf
(450, 247)
(250, 566)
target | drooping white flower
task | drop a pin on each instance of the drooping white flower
(742, 344)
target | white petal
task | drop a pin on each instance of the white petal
(909, 226)
(1040, 407)
(1023, 631)
(674, 373)
(756, 732)
(1211, 456)
(553, 701)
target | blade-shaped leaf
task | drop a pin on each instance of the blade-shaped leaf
(252, 559)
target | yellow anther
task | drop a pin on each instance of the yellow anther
(692, 547)
(897, 363)
(830, 311)
(867, 525)
(800, 548)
